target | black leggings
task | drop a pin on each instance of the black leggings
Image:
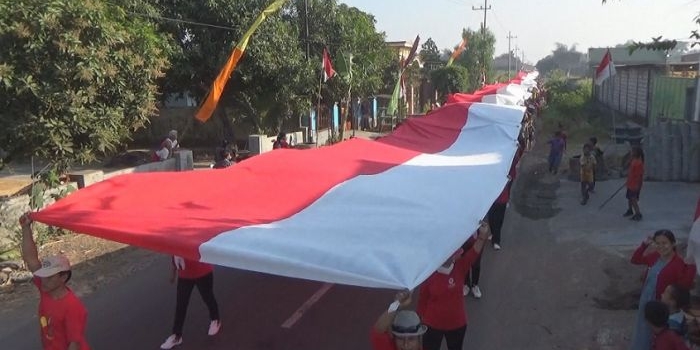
(205, 285)
(432, 339)
(471, 279)
(495, 217)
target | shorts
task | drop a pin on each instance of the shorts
(632, 194)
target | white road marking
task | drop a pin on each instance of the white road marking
(296, 316)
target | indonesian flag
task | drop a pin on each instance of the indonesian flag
(327, 66)
(606, 69)
(420, 192)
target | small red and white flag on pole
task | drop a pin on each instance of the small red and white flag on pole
(606, 69)
(327, 66)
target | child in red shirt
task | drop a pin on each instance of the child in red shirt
(62, 316)
(635, 179)
(441, 303)
(656, 314)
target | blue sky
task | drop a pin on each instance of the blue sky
(538, 24)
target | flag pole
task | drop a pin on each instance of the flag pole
(612, 92)
(318, 107)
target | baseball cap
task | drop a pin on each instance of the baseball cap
(407, 324)
(53, 265)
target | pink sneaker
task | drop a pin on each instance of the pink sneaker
(171, 342)
(214, 327)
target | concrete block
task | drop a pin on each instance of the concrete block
(184, 160)
(86, 178)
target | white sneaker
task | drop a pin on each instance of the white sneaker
(171, 342)
(496, 246)
(214, 327)
(465, 290)
(477, 292)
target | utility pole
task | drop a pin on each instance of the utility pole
(510, 53)
(306, 19)
(484, 8)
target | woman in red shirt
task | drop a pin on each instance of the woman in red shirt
(635, 178)
(191, 273)
(664, 267)
(441, 303)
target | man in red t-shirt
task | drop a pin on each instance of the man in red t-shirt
(441, 303)
(191, 273)
(62, 316)
(635, 179)
(398, 329)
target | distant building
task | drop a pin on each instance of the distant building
(649, 85)
(403, 49)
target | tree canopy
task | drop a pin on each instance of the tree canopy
(76, 77)
(564, 58)
(478, 56)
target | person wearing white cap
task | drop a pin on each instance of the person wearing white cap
(167, 146)
(62, 316)
(398, 329)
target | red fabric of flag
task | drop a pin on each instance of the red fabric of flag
(328, 71)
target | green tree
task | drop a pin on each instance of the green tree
(356, 48)
(448, 80)
(478, 56)
(76, 77)
(564, 58)
(272, 82)
(430, 55)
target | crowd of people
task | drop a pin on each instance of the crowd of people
(441, 309)
(668, 317)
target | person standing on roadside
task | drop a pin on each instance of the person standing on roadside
(635, 179)
(664, 267)
(62, 316)
(588, 164)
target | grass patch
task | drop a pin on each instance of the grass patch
(571, 106)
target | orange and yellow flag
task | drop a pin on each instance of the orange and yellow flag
(217, 88)
(458, 51)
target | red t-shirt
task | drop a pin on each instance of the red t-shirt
(440, 302)
(193, 269)
(504, 197)
(668, 340)
(62, 320)
(635, 175)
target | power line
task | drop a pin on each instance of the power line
(161, 18)
(484, 8)
(168, 19)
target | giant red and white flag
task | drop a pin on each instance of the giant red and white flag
(383, 213)
(605, 70)
(327, 66)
